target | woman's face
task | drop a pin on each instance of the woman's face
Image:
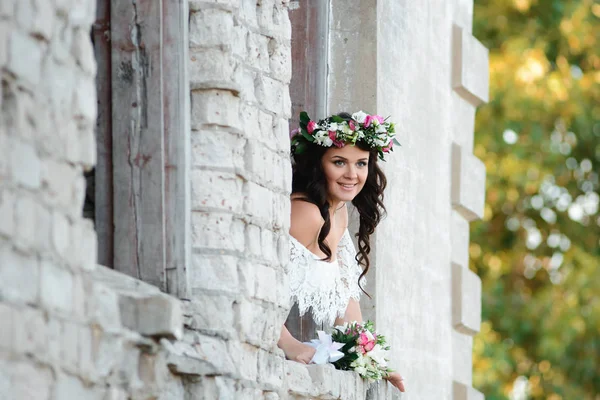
(346, 171)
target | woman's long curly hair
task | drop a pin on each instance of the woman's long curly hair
(310, 183)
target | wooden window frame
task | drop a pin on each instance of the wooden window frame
(308, 92)
(142, 195)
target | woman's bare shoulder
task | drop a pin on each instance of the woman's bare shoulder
(305, 222)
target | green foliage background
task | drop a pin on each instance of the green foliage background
(537, 249)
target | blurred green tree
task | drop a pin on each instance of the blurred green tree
(537, 249)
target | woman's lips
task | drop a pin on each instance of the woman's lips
(347, 186)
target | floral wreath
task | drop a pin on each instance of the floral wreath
(373, 130)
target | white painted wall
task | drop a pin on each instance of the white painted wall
(396, 58)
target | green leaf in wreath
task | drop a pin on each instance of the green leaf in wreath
(307, 136)
(304, 118)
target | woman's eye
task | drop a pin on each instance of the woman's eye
(361, 164)
(339, 163)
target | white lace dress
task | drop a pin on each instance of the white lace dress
(324, 287)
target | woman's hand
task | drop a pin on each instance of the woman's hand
(294, 349)
(302, 353)
(395, 379)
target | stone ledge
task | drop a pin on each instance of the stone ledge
(143, 307)
(325, 382)
(466, 300)
(470, 68)
(460, 391)
(468, 184)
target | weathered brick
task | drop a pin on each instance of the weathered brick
(4, 35)
(54, 330)
(25, 56)
(245, 358)
(19, 277)
(81, 13)
(69, 347)
(280, 60)
(209, 387)
(212, 68)
(256, 323)
(83, 51)
(56, 288)
(298, 380)
(273, 95)
(108, 351)
(257, 54)
(260, 162)
(253, 245)
(212, 314)
(156, 315)
(70, 387)
(84, 101)
(210, 28)
(258, 203)
(30, 332)
(102, 307)
(244, 79)
(229, 5)
(25, 164)
(270, 369)
(61, 234)
(248, 13)
(86, 339)
(83, 252)
(281, 212)
(7, 213)
(59, 86)
(87, 147)
(217, 149)
(217, 231)
(42, 23)
(214, 272)
(258, 281)
(62, 39)
(281, 135)
(215, 107)
(30, 382)
(6, 327)
(7, 8)
(216, 190)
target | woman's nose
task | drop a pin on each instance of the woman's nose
(351, 172)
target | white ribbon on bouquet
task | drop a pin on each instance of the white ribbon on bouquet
(327, 349)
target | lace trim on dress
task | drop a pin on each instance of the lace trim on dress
(324, 287)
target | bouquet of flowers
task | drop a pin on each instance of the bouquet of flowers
(356, 347)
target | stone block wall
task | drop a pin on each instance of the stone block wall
(240, 69)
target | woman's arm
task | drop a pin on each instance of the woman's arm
(293, 348)
(352, 313)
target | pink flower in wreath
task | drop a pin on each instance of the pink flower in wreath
(388, 147)
(352, 125)
(379, 118)
(310, 127)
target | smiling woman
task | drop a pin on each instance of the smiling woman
(334, 162)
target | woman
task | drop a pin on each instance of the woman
(334, 162)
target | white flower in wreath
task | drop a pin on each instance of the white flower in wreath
(380, 128)
(323, 139)
(333, 126)
(359, 116)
